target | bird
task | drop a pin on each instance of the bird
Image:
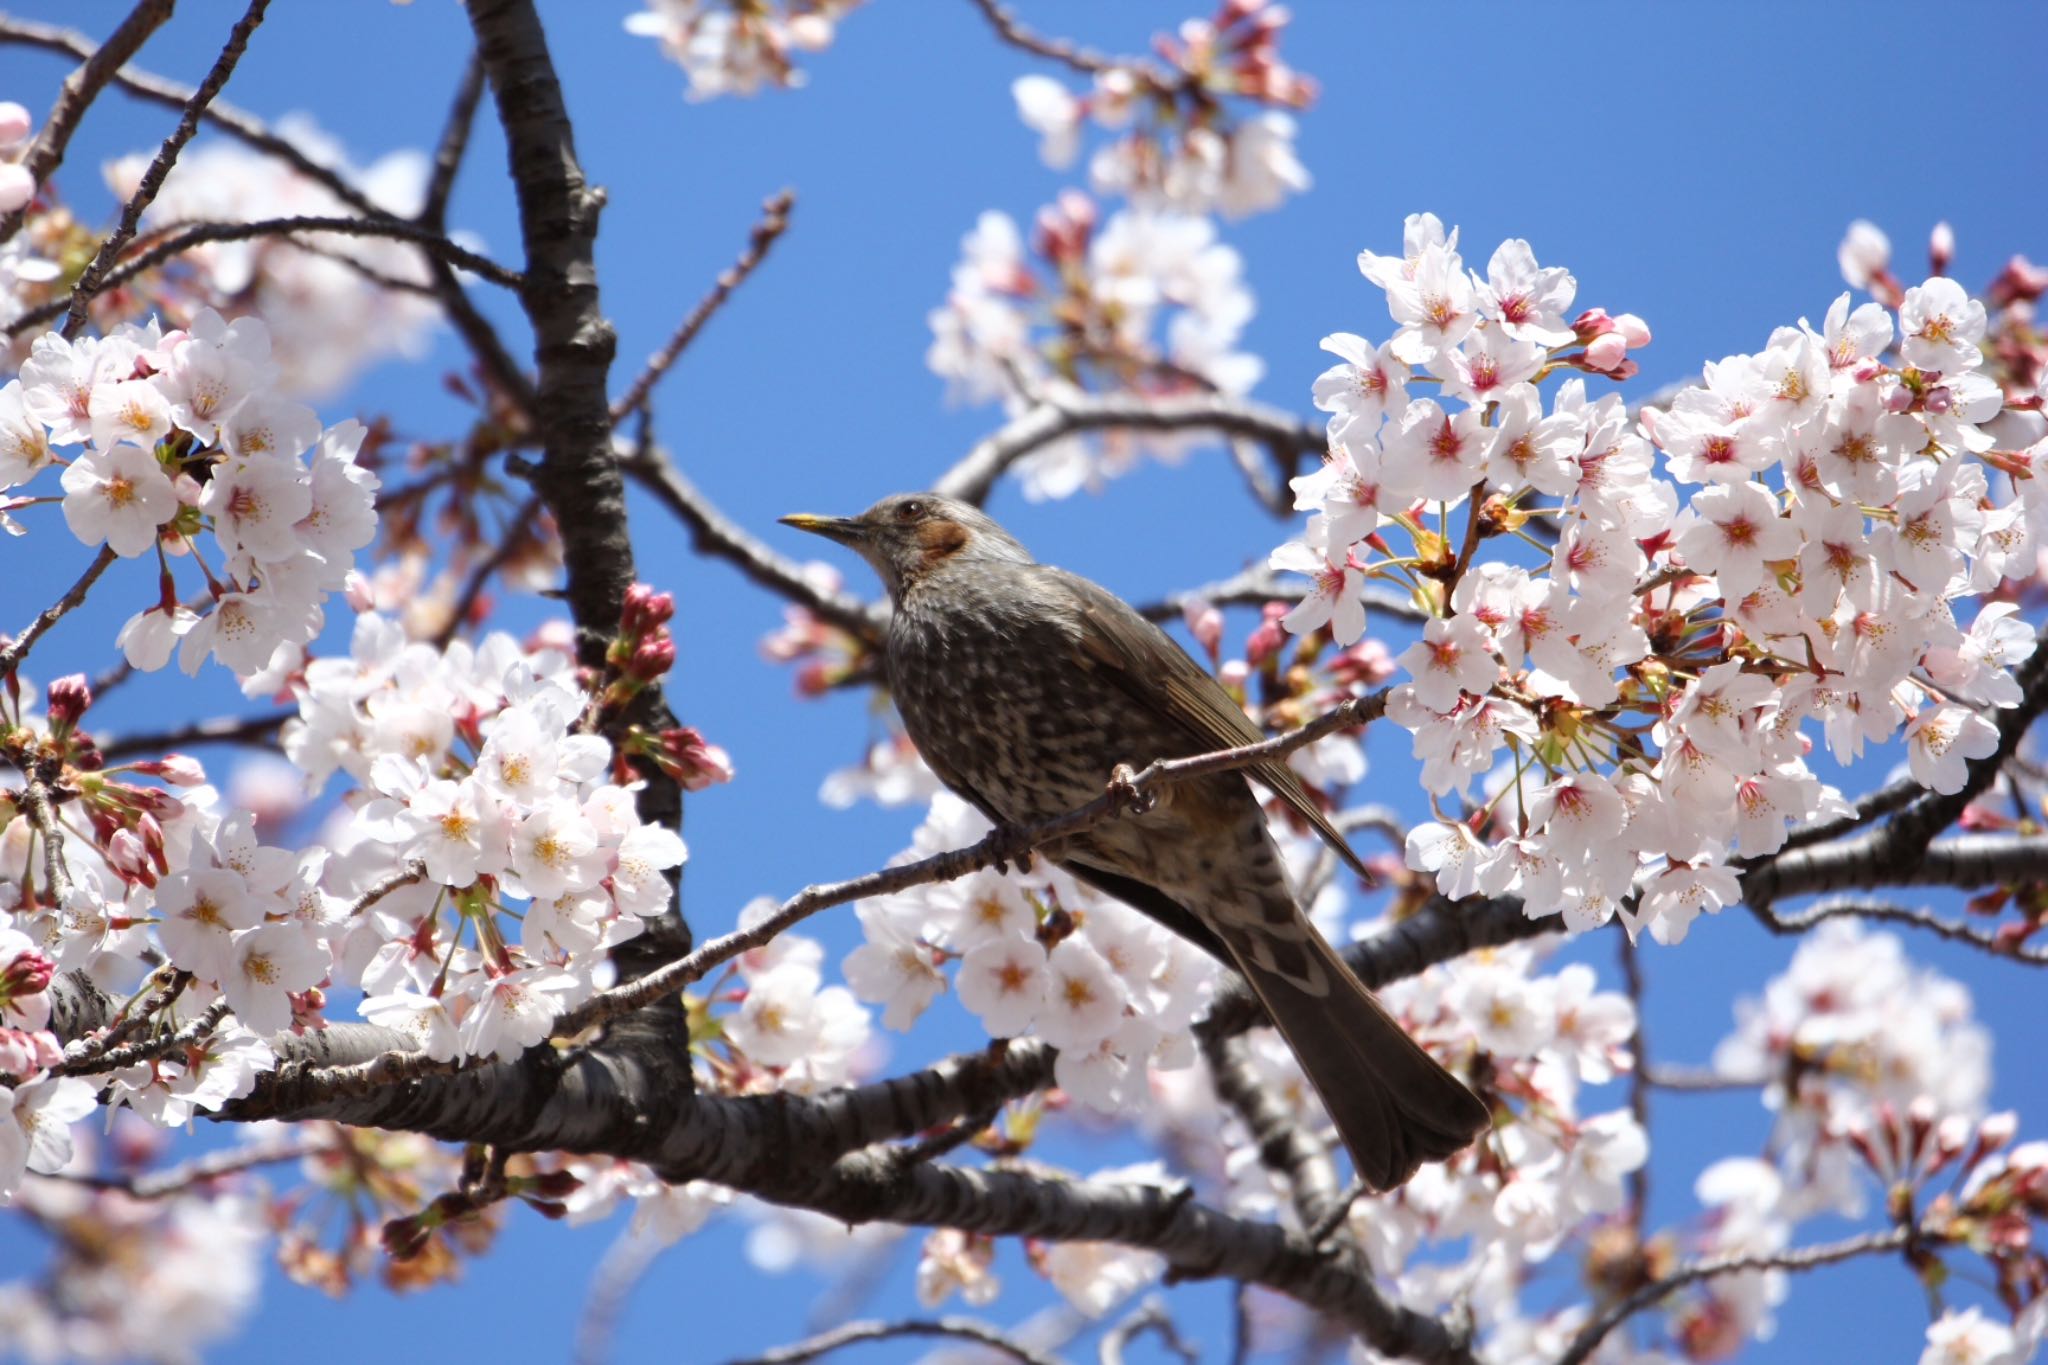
(1025, 688)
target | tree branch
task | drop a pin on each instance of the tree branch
(1049, 419)
(1806, 1258)
(81, 88)
(858, 1333)
(258, 730)
(774, 221)
(17, 650)
(713, 533)
(90, 279)
(1922, 918)
(180, 240)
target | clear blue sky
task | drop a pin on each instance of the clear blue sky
(1693, 164)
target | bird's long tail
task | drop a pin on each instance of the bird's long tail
(1394, 1104)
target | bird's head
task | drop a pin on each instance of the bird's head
(908, 536)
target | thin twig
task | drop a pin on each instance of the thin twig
(1071, 55)
(201, 1170)
(171, 1040)
(1257, 585)
(14, 653)
(855, 1333)
(237, 123)
(712, 533)
(515, 539)
(1151, 1317)
(90, 279)
(1859, 907)
(999, 846)
(183, 239)
(1638, 1084)
(774, 221)
(1696, 1079)
(1807, 1258)
(454, 143)
(81, 88)
(619, 1272)
(80, 1053)
(1051, 418)
(1333, 1218)
(257, 730)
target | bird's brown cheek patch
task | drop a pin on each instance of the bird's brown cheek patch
(939, 540)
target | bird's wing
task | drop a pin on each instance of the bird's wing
(1145, 662)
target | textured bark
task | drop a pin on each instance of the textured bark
(578, 476)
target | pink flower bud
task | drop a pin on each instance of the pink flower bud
(29, 973)
(361, 596)
(1941, 248)
(1939, 399)
(2021, 280)
(129, 857)
(696, 764)
(181, 770)
(1268, 639)
(14, 125)
(17, 187)
(24, 1053)
(1205, 623)
(67, 700)
(645, 609)
(1607, 352)
(652, 657)
(1634, 330)
(1592, 323)
(1899, 399)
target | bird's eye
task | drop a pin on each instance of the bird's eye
(909, 511)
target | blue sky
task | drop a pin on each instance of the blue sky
(1693, 164)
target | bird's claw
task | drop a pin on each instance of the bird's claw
(1022, 857)
(1125, 791)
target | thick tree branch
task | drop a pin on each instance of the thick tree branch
(1286, 1148)
(81, 88)
(1872, 860)
(1050, 418)
(92, 278)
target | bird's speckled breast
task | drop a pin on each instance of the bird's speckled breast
(984, 667)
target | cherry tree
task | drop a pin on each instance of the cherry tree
(1760, 642)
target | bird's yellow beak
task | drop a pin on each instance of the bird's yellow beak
(845, 530)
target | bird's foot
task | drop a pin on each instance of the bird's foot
(1011, 835)
(1125, 792)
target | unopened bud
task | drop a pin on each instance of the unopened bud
(1634, 330)
(1941, 248)
(645, 609)
(1269, 638)
(652, 657)
(2020, 282)
(14, 125)
(690, 760)
(1592, 323)
(1607, 352)
(1205, 623)
(68, 699)
(17, 187)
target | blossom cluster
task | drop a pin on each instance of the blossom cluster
(1147, 302)
(1034, 953)
(736, 47)
(321, 295)
(1829, 502)
(1179, 144)
(17, 183)
(475, 770)
(185, 431)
